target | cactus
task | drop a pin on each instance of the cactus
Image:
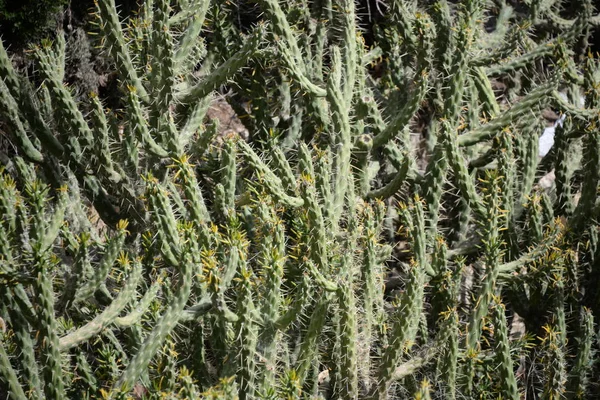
(509, 382)
(144, 247)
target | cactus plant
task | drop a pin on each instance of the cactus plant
(375, 235)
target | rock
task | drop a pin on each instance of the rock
(229, 122)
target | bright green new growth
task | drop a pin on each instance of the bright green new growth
(387, 228)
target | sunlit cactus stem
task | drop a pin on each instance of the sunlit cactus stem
(579, 378)
(405, 322)
(164, 327)
(348, 339)
(509, 382)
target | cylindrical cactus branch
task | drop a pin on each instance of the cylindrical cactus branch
(113, 32)
(509, 382)
(457, 162)
(492, 247)
(554, 371)
(272, 182)
(23, 339)
(164, 327)
(15, 390)
(70, 117)
(189, 39)
(486, 131)
(433, 184)
(9, 109)
(273, 261)
(246, 334)
(109, 314)
(591, 168)
(577, 384)
(224, 71)
(54, 386)
(343, 139)
(448, 362)
(113, 248)
(372, 281)
(405, 322)
(348, 341)
(195, 199)
(406, 318)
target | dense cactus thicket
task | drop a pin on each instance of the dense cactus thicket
(383, 232)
